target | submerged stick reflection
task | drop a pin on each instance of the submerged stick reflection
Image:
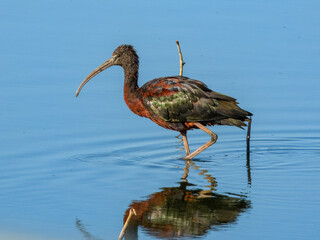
(86, 235)
(248, 150)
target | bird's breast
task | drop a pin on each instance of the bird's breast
(135, 104)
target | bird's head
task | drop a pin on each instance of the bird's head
(124, 55)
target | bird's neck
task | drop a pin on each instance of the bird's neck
(130, 92)
(130, 78)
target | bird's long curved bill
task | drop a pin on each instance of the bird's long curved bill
(95, 72)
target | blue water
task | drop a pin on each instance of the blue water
(71, 167)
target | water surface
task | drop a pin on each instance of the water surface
(71, 168)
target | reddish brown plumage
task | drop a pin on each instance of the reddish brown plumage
(134, 103)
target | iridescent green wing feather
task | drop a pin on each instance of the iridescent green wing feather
(179, 99)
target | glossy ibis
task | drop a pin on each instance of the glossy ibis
(177, 103)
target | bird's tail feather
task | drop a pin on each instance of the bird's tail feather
(231, 110)
(233, 122)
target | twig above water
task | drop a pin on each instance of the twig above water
(181, 59)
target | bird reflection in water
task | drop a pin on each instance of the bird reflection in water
(184, 211)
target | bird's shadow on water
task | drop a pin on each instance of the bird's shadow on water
(183, 211)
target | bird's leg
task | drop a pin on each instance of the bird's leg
(214, 138)
(187, 149)
(185, 142)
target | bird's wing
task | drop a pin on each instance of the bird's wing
(180, 99)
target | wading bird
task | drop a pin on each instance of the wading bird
(176, 103)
